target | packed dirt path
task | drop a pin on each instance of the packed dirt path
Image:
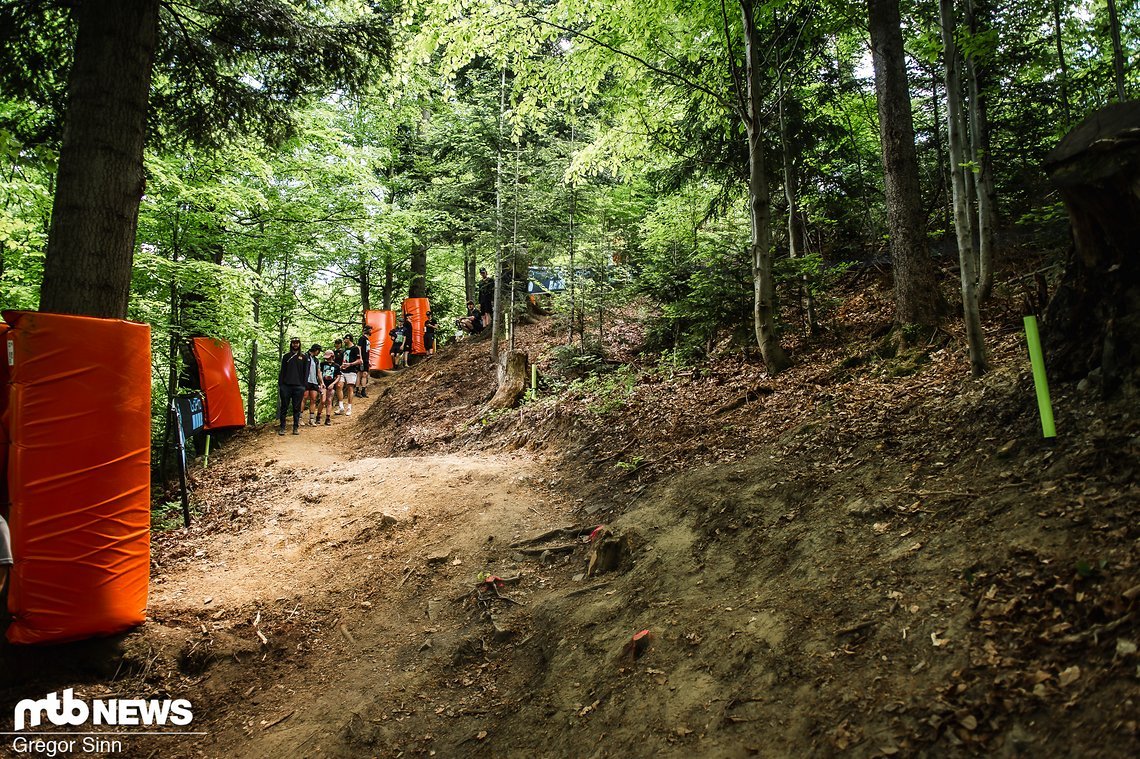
(306, 611)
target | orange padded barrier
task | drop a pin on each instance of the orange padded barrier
(79, 475)
(418, 308)
(381, 323)
(4, 424)
(219, 383)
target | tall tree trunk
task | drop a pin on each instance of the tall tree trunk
(966, 254)
(418, 287)
(1066, 109)
(983, 174)
(365, 284)
(917, 297)
(251, 376)
(1117, 52)
(760, 204)
(469, 270)
(389, 289)
(91, 244)
(796, 246)
(940, 153)
(496, 307)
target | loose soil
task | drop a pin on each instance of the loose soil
(869, 555)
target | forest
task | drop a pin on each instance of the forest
(779, 483)
(301, 165)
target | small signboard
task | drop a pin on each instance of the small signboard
(192, 414)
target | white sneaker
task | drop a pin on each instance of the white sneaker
(348, 412)
(340, 407)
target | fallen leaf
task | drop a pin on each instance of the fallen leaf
(970, 722)
(939, 642)
(480, 735)
(682, 731)
(1069, 676)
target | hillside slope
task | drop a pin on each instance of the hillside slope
(871, 554)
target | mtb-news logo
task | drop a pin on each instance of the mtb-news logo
(127, 714)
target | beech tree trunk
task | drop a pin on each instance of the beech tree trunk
(983, 175)
(418, 286)
(967, 257)
(251, 376)
(91, 243)
(1092, 325)
(1117, 51)
(760, 205)
(1066, 109)
(917, 297)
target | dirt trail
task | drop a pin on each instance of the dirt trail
(346, 566)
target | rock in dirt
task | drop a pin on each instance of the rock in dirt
(439, 557)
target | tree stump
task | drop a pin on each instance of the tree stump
(512, 379)
(1093, 320)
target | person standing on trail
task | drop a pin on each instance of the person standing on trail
(406, 332)
(338, 359)
(365, 345)
(397, 336)
(351, 368)
(291, 385)
(486, 296)
(330, 379)
(314, 389)
(430, 327)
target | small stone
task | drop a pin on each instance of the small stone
(1125, 647)
(439, 557)
(579, 577)
(207, 600)
(1007, 450)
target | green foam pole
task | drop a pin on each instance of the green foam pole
(206, 457)
(534, 381)
(1040, 381)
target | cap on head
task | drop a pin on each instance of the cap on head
(328, 354)
(315, 349)
(294, 339)
(482, 270)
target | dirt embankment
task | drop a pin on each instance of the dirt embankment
(870, 555)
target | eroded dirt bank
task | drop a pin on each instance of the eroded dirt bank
(880, 566)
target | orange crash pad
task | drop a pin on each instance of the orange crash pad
(79, 475)
(219, 382)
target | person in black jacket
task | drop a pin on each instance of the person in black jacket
(291, 385)
(486, 297)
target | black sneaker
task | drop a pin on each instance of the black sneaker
(364, 393)
(280, 430)
(328, 421)
(296, 431)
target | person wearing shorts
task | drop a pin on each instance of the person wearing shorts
(330, 380)
(314, 390)
(365, 345)
(430, 328)
(351, 369)
(338, 359)
(406, 331)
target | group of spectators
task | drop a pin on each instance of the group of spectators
(324, 381)
(479, 317)
(314, 380)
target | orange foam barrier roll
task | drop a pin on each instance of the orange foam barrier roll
(219, 383)
(78, 420)
(380, 342)
(418, 308)
(3, 426)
